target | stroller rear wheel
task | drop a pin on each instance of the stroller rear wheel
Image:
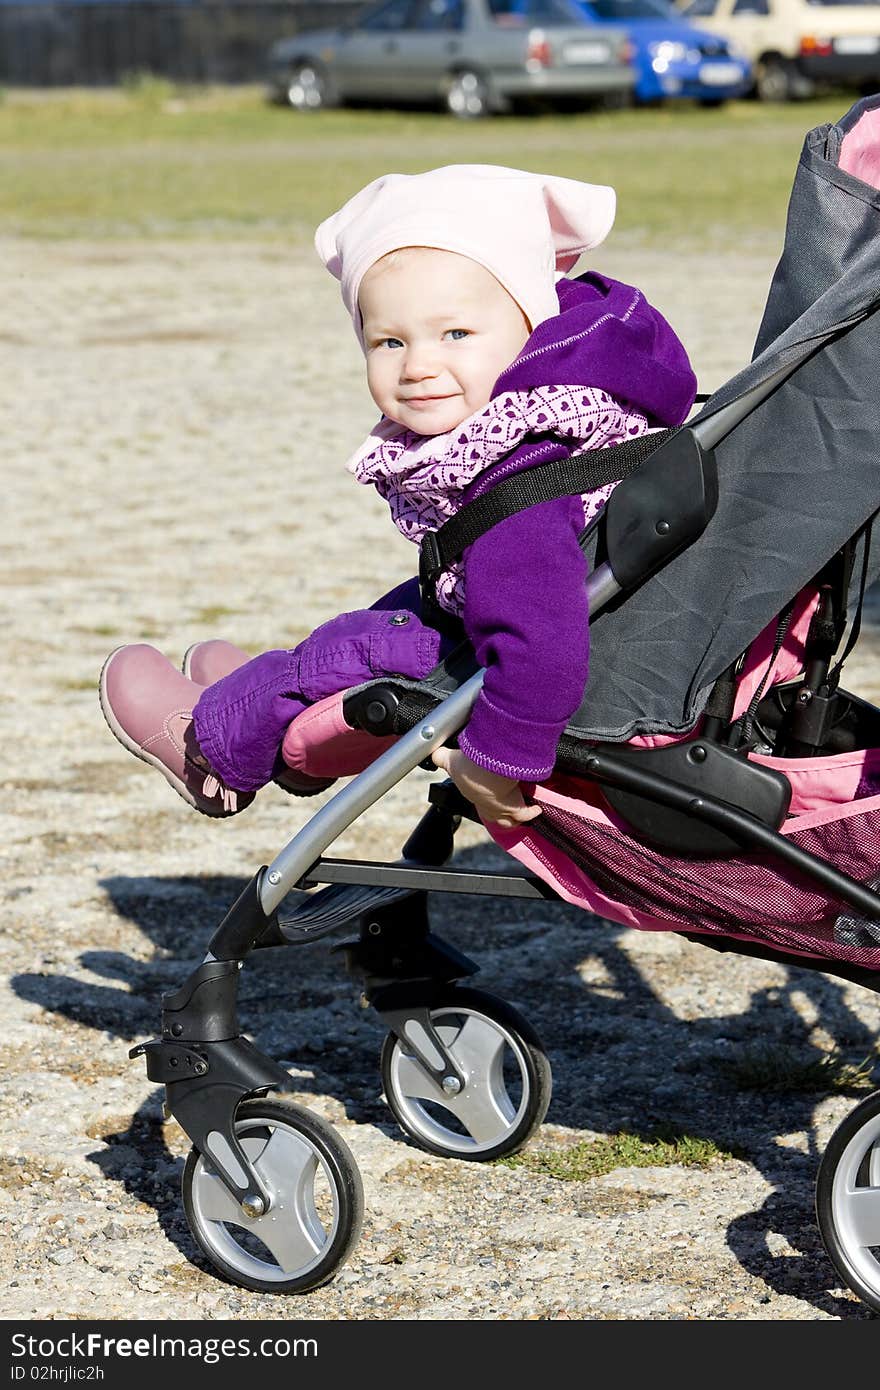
(848, 1200)
(507, 1080)
(316, 1210)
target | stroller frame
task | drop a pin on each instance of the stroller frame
(254, 1159)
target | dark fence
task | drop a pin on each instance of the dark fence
(97, 44)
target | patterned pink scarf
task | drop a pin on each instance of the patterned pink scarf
(423, 477)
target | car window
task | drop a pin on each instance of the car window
(519, 14)
(392, 15)
(751, 7)
(617, 10)
(700, 9)
(437, 14)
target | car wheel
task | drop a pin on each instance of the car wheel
(467, 96)
(622, 100)
(774, 80)
(308, 88)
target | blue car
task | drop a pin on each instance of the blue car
(671, 56)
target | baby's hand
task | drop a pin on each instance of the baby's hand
(497, 799)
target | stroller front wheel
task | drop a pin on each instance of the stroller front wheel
(848, 1200)
(507, 1080)
(316, 1210)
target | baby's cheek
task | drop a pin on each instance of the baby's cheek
(478, 394)
(460, 416)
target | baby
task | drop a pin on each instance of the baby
(483, 359)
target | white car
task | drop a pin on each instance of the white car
(797, 46)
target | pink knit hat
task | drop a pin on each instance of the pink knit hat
(526, 229)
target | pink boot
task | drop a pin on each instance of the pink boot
(207, 662)
(148, 705)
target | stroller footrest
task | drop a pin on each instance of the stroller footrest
(336, 906)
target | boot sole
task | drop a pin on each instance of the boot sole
(127, 742)
(187, 658)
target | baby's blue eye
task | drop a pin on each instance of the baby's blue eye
(458, 333)
(391, 343)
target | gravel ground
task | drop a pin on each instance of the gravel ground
(174, 417)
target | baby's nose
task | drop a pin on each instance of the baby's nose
(421, 361)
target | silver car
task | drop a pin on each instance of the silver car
(471, 56)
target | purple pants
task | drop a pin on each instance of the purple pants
(241, 720)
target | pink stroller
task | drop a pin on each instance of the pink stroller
(717, 781)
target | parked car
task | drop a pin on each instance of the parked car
(799, 46)
(472, 56)
(673, 58)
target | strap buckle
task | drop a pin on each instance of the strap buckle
(430, 561)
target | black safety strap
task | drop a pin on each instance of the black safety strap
(783, 622)
(722, 698)
(541, 483)
(828, 623)
(834, 676)
(823, 630)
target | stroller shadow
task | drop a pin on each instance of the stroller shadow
(139, 1160)
(672, 1081)
(622, 1058)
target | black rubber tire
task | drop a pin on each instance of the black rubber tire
(538, 1076)
(467, 96)
(864, 1115)
(339, 1166)
(623, 100)
(774, 81)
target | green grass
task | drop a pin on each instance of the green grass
(592, 1158)
(213, 613)
(775, 1067)
(148, 160)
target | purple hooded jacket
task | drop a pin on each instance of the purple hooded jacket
(525, 610)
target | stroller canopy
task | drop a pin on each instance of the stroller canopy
(799, 476)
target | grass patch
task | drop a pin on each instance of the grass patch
(213, 613)
(76, 684)
(149, 160)
(766, 1067)
(594, 1157)
(146, 90)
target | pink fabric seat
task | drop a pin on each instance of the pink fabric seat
(860, 149)
(599, 866)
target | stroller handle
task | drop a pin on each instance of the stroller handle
(411, 749)
(294, 861)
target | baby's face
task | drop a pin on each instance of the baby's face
(438, 331)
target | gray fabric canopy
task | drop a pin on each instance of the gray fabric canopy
(798, 477)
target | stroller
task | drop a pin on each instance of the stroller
(718, 781)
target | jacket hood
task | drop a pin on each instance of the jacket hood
(607, 335)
